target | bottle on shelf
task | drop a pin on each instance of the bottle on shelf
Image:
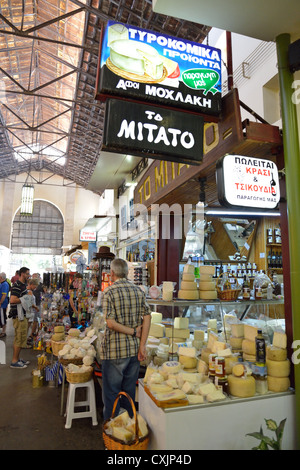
(226, 284)
(260, 349)
(246, 288)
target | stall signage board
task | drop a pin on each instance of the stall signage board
(149, 66)
(158, 133)
(87, 236)
(244, 181)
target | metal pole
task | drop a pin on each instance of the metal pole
(292, 172)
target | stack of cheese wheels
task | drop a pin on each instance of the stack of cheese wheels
(59, 333)
(240, 384)
(188, 287)
(198, 339)
(207, 285)
(187, 357)
(278, 366)
(237, 336)
(248, 344)
(157, 329)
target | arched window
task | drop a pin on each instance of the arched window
(41, 233)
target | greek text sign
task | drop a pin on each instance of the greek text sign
(247, 182)
(150, 66)
(156, 132)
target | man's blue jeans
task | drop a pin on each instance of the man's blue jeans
(118, 375)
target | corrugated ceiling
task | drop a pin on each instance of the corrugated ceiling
(49, 120)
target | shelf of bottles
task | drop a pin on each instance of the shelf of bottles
(274, 253)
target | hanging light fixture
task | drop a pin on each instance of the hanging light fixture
(27, 198)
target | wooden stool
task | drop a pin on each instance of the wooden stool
(72, 404)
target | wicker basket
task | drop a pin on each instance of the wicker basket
(112, 443)
(228, 294)
(79, 377)
(57, 346)
(76, 360)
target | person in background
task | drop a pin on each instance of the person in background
(19, 289)
(37, 292)
(74, 288)
(31, 286)
(16, 277)
(4, 299)
(128, 318)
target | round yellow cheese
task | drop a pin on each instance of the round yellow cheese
(189, 269)
(59, 329)
(188, 285)
(241, 387)
(208, 295)
(278, 368)
(188, 362)
(188, 277)
(207, 270)
(206, 277)
(248, 347)
(278, 384)
(206, 285)
(58, 336)
(238, 370)
(276, 354)
(172, 367)
(188, 294)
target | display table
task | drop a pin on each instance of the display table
(220, 425)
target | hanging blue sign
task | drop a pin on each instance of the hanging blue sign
(149, 66)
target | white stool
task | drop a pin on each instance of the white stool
(72, 404)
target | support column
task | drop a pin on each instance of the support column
(292, 172)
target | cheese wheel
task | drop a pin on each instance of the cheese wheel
(207, 270)
(188, 294)
(58, 336)
(206, 285)
(172, 367)
(188, 277)
(188, 362)
(208, 295)
(278, 384)
(276, 354)
(59, 329)
(248, 347)
(238, 370)
(278, 368)
(206, 277)
(74, 332)
(236, 343)
(188, 285)
(189, 269)
(241, 387)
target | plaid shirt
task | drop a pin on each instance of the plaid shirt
(125, 303)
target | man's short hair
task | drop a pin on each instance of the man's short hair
(3, 276)
(23, 270)
(33, 282)
(120, 267)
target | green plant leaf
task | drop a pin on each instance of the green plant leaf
(271, 424)
(279, 432)
(257, 435)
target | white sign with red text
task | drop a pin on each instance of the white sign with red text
(248, 181)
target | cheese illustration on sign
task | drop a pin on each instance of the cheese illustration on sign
(139, 59)
(247, 181)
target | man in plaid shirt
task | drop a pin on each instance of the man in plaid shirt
(128, 318)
